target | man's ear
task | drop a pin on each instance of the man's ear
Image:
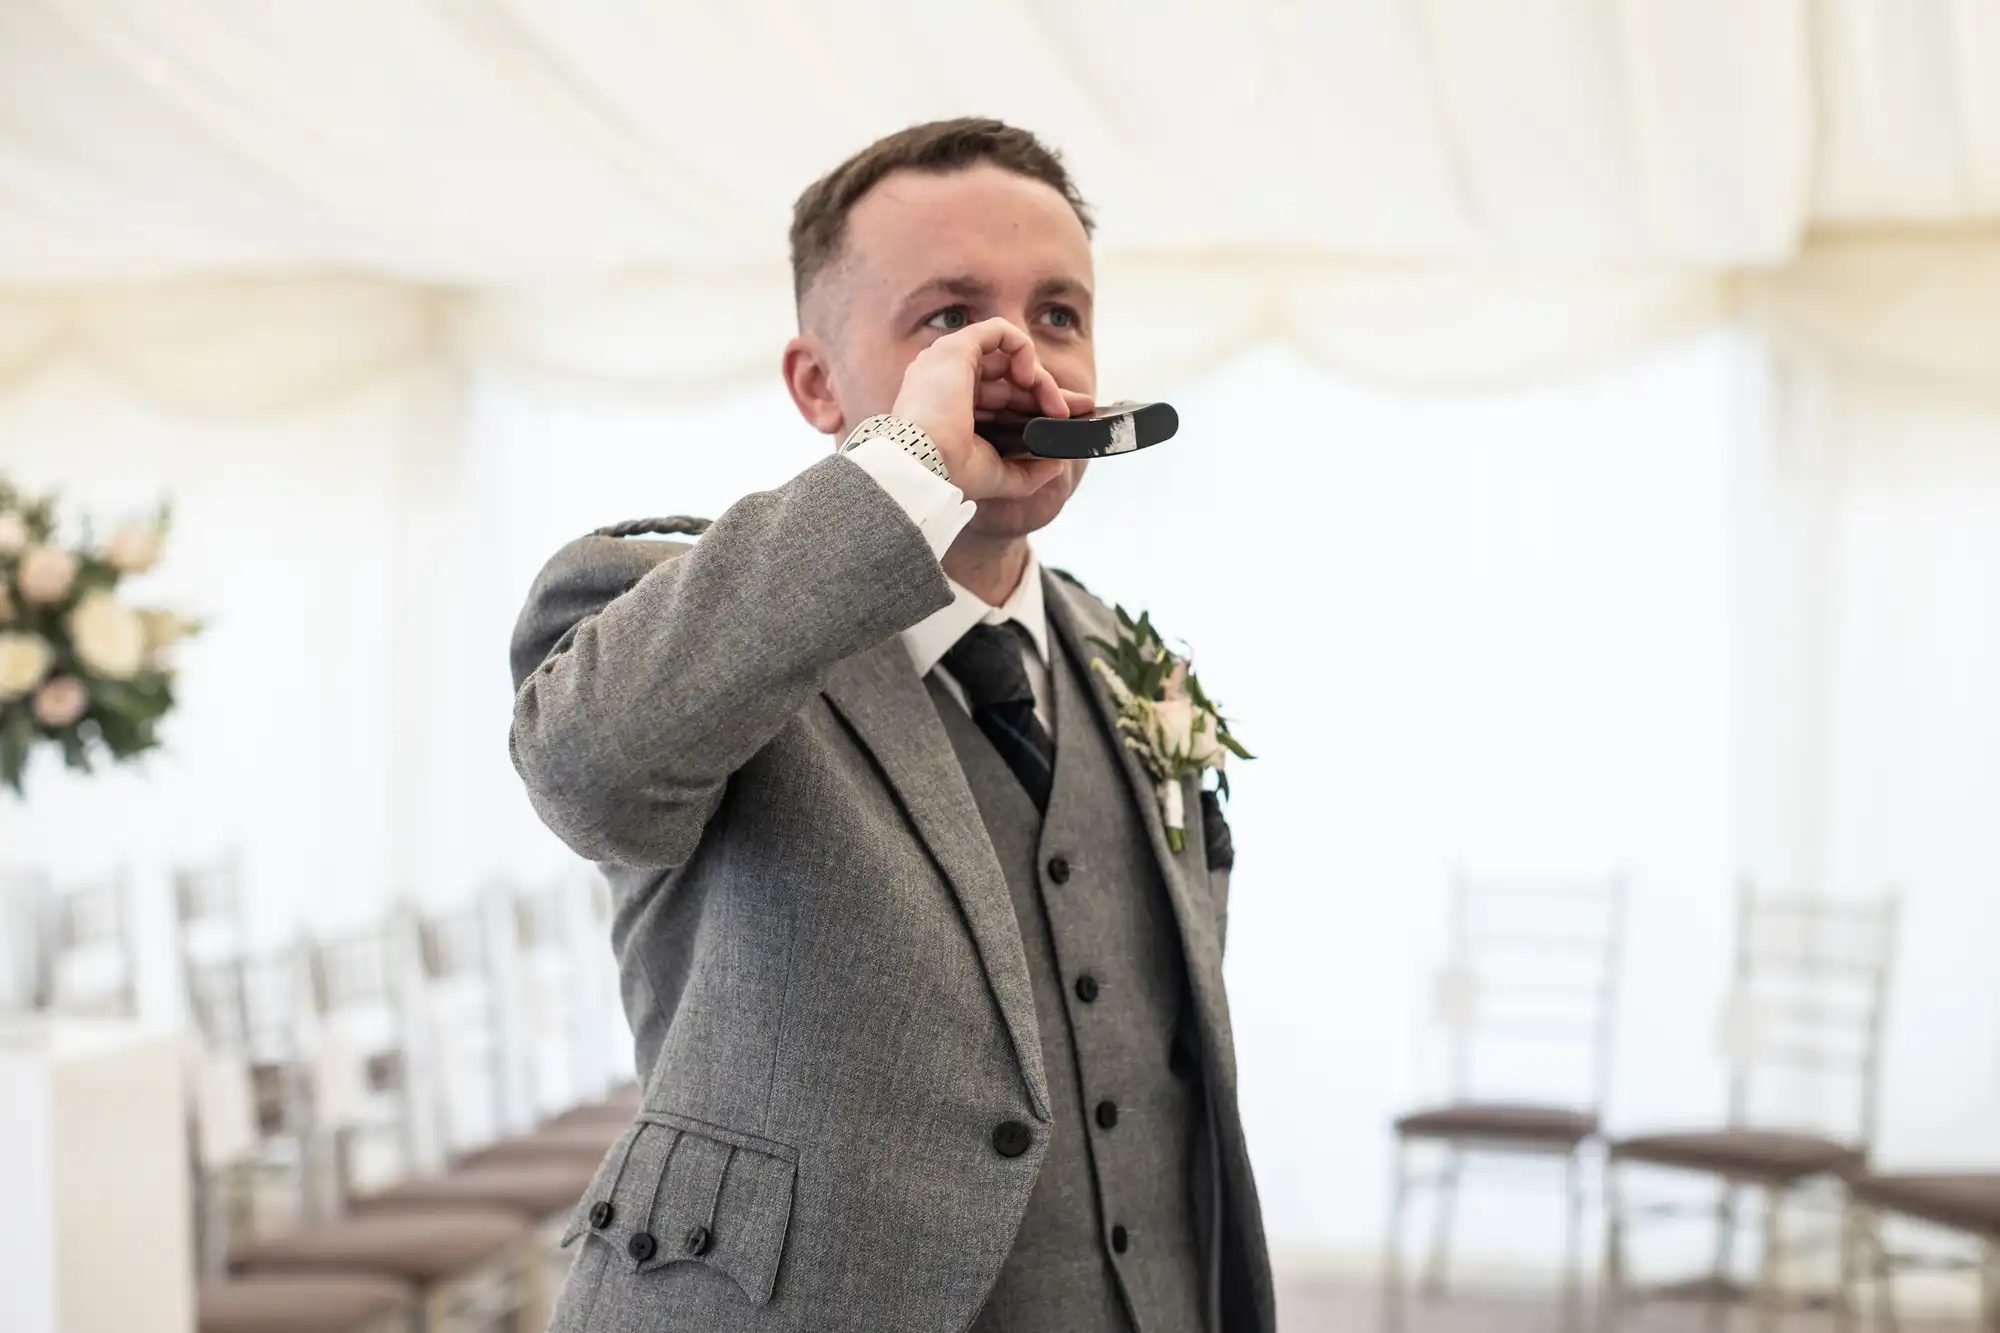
(808, 374)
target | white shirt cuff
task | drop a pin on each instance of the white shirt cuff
(938, 508)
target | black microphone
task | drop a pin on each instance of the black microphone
(1115, 428)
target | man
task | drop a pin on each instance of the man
(930, 1015)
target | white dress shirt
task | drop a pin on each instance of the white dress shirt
(941, 511)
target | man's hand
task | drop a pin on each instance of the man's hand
(970, 375)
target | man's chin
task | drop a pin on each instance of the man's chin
(1030, 513)
(1018, 518)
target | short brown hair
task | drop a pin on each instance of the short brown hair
(819, 218)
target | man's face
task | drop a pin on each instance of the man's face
(926, 254)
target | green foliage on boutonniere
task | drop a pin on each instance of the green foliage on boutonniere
(1164, 715)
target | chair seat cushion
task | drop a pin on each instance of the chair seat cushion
(1968, 1200)
(588, 1141)
(307, 1303)
(1744, 1154)
(416, 1246)
(533, 1189)
(1508, 1122)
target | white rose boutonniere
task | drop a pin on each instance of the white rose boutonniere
(1164, 717)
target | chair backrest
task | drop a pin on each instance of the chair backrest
(1806, 1007)
(557, 1017)
(1528, 996)
(209, 904)
(210, 931)
(23, 895)
(459, 1005)
(90, 961)
(248, 1003)
(360, 983)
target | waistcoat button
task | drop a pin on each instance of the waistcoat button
(642, 1246)
(1107, 1114)
(1119, 1240)
(1086, 988)
(1059, 869)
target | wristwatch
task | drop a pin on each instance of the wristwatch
(908, 435)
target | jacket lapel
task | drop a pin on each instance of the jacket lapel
(1077, 617)
(880, 695)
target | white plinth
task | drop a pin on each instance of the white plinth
(94, 1196)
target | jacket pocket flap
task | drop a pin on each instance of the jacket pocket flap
(599, 1206)
(695, 1193)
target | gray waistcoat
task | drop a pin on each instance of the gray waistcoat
(1122, 1160)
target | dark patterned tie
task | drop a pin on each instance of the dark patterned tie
(988, 665)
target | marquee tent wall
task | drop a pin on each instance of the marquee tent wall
(1632, 369)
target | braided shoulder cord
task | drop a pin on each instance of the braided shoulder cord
(679, 525)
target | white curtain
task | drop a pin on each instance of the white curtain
(1868, 641)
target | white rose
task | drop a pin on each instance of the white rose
(1173, 724)
(109, 637)
(1206, 749)
(134, 548)
(61, 702)
(13, 533)
(24, 660)
(46, 574)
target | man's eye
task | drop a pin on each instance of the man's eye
(1062, 315)
(953, 317)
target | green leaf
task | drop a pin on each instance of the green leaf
(17, 740)
(1195, 692)
(1229, 743)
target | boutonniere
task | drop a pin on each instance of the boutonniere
(1164, 716)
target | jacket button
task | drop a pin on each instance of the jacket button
(696, 1241)
(1011, 1138)
(1059, 869)
(642, 1246)
(1120, 1242)
(600, 1215)
(1086, 988)
(1107, 1114)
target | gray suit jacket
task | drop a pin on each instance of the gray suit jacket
(819, 954)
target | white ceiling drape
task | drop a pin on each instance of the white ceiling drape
(237, 203)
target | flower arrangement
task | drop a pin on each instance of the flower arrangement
(80, 669)
(1164, 716)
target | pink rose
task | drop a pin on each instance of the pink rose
(61, 702)
(46, 574)
(1175, 685)
(134, 548)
